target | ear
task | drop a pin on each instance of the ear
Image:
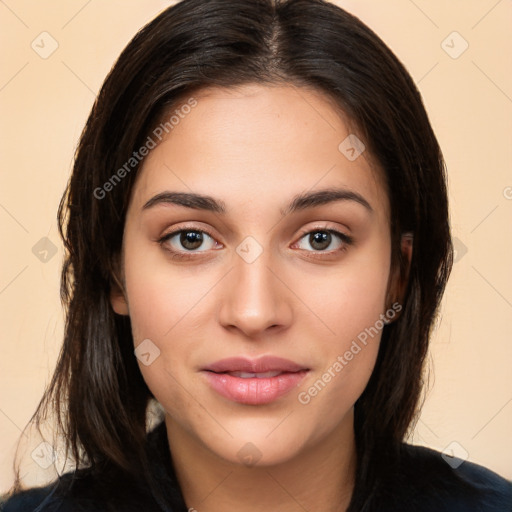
(118, 299)
(399, 277)
(406, 247)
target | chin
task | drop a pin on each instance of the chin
(259, 451)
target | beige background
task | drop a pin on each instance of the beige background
(44, 104)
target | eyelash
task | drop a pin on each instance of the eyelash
(186, 255)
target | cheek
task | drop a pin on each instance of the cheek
(351, 307)
(162, 296)
(348, 300)
(348, 357)
(167, 306)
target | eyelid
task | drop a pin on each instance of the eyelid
(323, 227)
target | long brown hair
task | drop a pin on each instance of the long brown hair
(97, 390)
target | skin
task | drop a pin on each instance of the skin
(254, 148)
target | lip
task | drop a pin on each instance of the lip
(254, 390)
(260, 365)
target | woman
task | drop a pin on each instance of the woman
(257, 240)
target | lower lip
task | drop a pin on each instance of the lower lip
(254, 391)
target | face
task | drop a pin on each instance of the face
(257, 311)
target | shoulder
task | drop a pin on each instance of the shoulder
(48, 499)
(109, 489)
(428, 481)
(80, 491)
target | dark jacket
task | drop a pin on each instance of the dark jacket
(426, 482)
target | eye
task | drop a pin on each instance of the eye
(324, 240)
(183, 243)
(187, 240)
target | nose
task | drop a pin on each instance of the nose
(255, 300)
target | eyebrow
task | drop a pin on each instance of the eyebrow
(299, 202)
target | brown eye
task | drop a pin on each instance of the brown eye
(322, 240)
(187, 240)
(191, 239)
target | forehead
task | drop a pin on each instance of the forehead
(259, 144)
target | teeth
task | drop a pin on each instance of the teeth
(248, 375)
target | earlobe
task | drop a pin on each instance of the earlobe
(118, 301)
(406, 248)
(400, 273)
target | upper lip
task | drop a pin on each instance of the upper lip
(260, 365)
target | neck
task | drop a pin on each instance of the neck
(320, 478)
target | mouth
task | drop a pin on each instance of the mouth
(254, 381)
(250, 375)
